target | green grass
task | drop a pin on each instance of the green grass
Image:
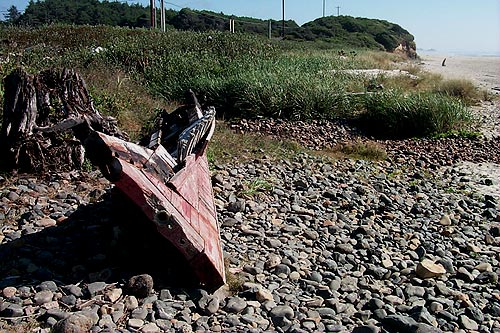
(465, 90)
(360, 151)
(394, 114)
(117, 94)
(468, 134)
(242, 75)
(255, 186)
(234, 282)
(227, 144)
(356, 150)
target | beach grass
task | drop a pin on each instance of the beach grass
(132, 73)
(226, 144)
(396, 114)
(358, 150)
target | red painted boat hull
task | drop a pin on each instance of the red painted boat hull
(180, 204)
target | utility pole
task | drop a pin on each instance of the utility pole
(270, 29)
(338, 10)
(162, 16)
(152, 7)
(231, 25)
(283, 21)
(324, 7)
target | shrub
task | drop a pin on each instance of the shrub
(394, 114)
(460, 88)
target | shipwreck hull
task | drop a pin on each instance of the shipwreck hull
(49, 116)
(179, 203)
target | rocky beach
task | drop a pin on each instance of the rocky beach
(312, 243)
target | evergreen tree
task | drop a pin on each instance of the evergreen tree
(12, 15)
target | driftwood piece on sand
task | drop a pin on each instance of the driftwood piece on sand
(44, 116)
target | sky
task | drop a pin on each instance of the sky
(448, 26)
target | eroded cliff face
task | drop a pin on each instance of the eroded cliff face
(408, 49)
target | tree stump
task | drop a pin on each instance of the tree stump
(45, 117)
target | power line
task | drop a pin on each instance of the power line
(175, 5)
(226, 17)
(283, 22)
(263, 23)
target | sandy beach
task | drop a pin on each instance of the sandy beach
(483, 71)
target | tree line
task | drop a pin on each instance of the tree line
(80, 12)
(332, 30)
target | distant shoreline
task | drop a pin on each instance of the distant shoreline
(457, 53)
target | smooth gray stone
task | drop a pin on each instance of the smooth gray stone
(139, 313)
(366, 329)
(96, 287)
(468, 323)
(209, 304)
(47, 285)
(282, 311)
(400, 322)
(235, 304)
(43, 297)
(11, 310)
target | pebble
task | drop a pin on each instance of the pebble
(263, 295)
(150, 328)
(43, 297)
(209, 304)
(131, 303)
(366, 329)
(75, 290)
(428, 269)
(294, 276)
(95, 287)
(10, 310)
(46, 222)
(332, 245)
(139, 313)
(135, 323)
(235, 304)
(77, 322)
(47, 285)
(468, 323)
(282, 312)
(435, 307)
(9, 292)
(114, 294)
(484, 267)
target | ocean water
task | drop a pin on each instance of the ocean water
(451, 53)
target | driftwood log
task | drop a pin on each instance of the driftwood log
(44, 118)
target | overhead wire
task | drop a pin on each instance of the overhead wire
(264, 23)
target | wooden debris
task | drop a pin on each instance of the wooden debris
(44, 116)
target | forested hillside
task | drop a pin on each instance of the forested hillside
(91, 12)
(333, 31)
(360, 32)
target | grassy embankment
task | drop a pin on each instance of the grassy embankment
(138, 72)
